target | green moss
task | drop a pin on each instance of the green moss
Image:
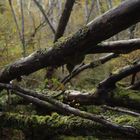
(124, 119)
(128, 120)
(45, 126)
(38, 123)
(127, 94)
(70, 41)
(94, 109)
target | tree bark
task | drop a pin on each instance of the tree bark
(118, 47)
(45, 16)
(60, 31)
(64, 19)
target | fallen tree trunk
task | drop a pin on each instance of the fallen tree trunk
(118, 97)
(96, 31)
(71, 110)
(43, 127)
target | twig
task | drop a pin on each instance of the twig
(122, 110)
(22, 31)
(45, 16)
(17, 26)
(42, 24)
(36, 28)
(89, 13)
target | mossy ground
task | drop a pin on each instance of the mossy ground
(25, 118)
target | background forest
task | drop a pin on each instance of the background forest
(24, 29)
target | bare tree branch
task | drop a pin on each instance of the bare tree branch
(22, 25)
(121, 110)
(17, 26)
(45, 16)
(123, 47)
(117, 47)
(42, 24)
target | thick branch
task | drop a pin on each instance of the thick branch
(110, 82)
(118, 47)
(92, 65)
(123, 46)
(64, 19)
(96, 31)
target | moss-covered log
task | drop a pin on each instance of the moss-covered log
(42, 100)
(42, 127)
(118, 97)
